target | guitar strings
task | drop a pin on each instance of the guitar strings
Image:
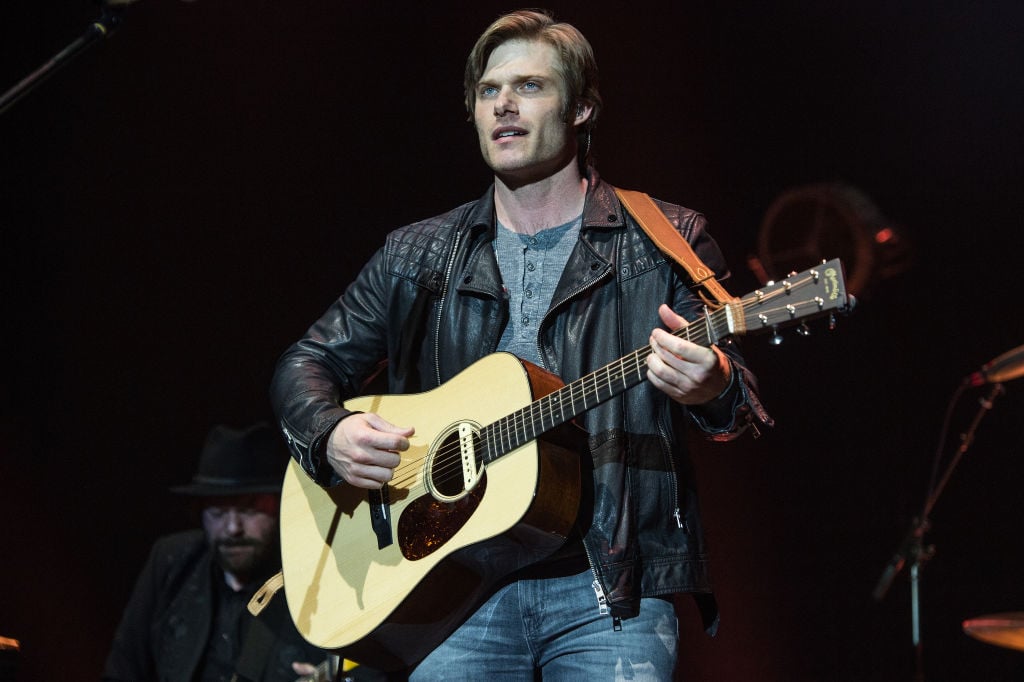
(617, 372)
(530, 413)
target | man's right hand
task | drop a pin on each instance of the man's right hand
(363, 449)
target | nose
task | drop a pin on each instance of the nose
(233, 522)
(505, 102)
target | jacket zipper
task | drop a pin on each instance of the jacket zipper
(672, 479)
(292, 439)
(602, 598)
(440, 306)
(298, 445)
(599, 593)
(572, 294)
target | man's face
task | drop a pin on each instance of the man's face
(242, 530)
(519, 113)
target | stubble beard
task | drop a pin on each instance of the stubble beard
(244, 565)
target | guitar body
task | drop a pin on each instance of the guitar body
(384, 581)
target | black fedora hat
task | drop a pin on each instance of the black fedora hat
(239, 462)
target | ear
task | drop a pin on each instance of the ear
(583, 112)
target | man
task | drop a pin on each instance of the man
(187, 617)
(549, 266)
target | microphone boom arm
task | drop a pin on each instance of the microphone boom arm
(99, 29)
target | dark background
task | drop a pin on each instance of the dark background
(183, 200)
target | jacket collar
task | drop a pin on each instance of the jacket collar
(601, 209)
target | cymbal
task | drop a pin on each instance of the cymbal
(1001, 629)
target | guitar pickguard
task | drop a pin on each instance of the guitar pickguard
(427, 523)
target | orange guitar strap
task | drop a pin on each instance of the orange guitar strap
(668, 239)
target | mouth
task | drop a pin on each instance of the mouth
(236, 546)
(506, 132)
(236, 549)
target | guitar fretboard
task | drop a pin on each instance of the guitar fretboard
(573, 399)
(811, 293)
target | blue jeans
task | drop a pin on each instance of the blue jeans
(551, 629)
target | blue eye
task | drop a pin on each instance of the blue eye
(488, 91)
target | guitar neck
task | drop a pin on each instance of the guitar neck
(573, 399)
(802, 296)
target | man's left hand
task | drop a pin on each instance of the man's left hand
(684, 371)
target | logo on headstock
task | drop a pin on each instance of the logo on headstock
(832, 283)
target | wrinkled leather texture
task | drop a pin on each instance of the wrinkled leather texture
(432, 301)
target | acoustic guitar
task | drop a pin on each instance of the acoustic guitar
(486, 488)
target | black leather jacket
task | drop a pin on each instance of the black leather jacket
(431, 302)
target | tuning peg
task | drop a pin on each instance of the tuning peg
(776, 336)
(831, 321)
(803, 329)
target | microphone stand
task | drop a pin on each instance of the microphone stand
(101, 28)
(914, 550)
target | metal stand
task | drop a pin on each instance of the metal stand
(913, 549)
(101, 28)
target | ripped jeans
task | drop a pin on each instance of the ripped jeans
(551, 629)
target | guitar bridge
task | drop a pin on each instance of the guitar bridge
(467, 451)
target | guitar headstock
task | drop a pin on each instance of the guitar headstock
(799, 297)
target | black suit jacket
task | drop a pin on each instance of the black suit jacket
(166, 624)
